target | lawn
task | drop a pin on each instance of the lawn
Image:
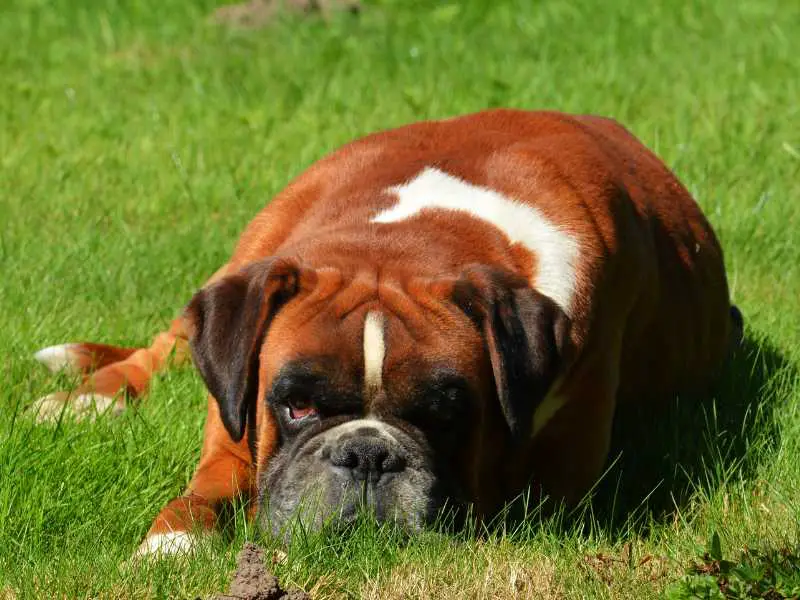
(137, 139)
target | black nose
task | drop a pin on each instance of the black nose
(367, 457)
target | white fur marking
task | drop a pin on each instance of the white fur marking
(555, 250)
(164, 544)
(383, 428)
(95, 403)
(58, 357)
(48, 408)
(84, 406)
(374, 352)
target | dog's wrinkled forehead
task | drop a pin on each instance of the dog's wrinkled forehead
(366, 364)
(336, 364)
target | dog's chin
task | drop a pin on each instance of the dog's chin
(334, 504)
(304, 489)
(312, 514)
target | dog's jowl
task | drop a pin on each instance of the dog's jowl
(444, 314)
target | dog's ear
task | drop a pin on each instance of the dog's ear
(227, 324)
(526, 335)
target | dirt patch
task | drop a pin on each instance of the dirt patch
(257, 13)
(252, 581)
(627, 566)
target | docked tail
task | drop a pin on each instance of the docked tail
(109, 374)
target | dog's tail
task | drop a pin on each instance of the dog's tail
(108, 374)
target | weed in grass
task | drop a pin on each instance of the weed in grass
(771, 574)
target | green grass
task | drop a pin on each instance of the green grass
(136, 141)
(756, 574)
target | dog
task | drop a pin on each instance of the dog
(443, 314)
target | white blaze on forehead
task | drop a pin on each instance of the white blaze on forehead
(556, 251)
(374, 352)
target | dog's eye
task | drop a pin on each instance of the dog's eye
(300, 409)
(451, 394)
(440, 405)
(445, 401)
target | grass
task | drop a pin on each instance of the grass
(137, 139)
(756, 574)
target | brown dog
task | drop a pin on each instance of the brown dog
(448, 312)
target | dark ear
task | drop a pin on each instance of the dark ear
(526, 335)
(227, 323)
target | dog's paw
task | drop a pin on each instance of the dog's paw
(63, 357)
(86, 406)
(170, 543)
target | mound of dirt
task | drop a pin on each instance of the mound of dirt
(252, 581)
(257, 13)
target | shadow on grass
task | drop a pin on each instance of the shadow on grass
(660, 458)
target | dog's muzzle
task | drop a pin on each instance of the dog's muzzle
(357, 466)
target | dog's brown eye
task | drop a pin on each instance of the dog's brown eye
(299, 409)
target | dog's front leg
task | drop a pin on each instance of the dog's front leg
(225, 472)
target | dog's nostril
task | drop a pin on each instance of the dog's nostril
(344, 458)
(367, 457)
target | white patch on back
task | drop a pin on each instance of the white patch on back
(374, 352)
(556, 251)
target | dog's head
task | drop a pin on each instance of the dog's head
(399, 395)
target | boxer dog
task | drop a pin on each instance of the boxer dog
(447, 313)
